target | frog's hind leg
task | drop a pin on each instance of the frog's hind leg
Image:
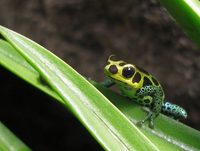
(174, 111)
(156, 103)
(148, 117)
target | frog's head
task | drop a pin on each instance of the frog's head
(121, 72)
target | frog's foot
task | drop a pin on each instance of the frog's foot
(151, 123)
(148, 117)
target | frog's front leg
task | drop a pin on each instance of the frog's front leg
(155, 103)
(107, 83)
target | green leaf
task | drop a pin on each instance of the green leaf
(105, 122)
(187, 14)
(9, 142)
(167, 129)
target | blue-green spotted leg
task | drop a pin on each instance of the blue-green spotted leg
(157, 100)
(174, 111)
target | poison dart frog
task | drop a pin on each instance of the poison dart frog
(140, 86)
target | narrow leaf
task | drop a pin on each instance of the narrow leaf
(187, 14)
(9, 142)
(104, 121)
(168, 135)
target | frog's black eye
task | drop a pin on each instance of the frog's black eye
(128, 72)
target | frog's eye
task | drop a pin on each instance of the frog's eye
(128, 72)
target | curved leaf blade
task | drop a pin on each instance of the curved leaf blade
(187, 14)
(166, 129)
(97, 114)
(9, 142)
(168, 135)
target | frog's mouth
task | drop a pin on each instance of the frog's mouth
(123, 84)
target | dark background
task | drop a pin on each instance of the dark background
(84, 33)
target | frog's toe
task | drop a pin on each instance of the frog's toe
(151, 125)
(151, 122)
(149, 118)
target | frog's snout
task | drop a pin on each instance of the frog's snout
(106, 72)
